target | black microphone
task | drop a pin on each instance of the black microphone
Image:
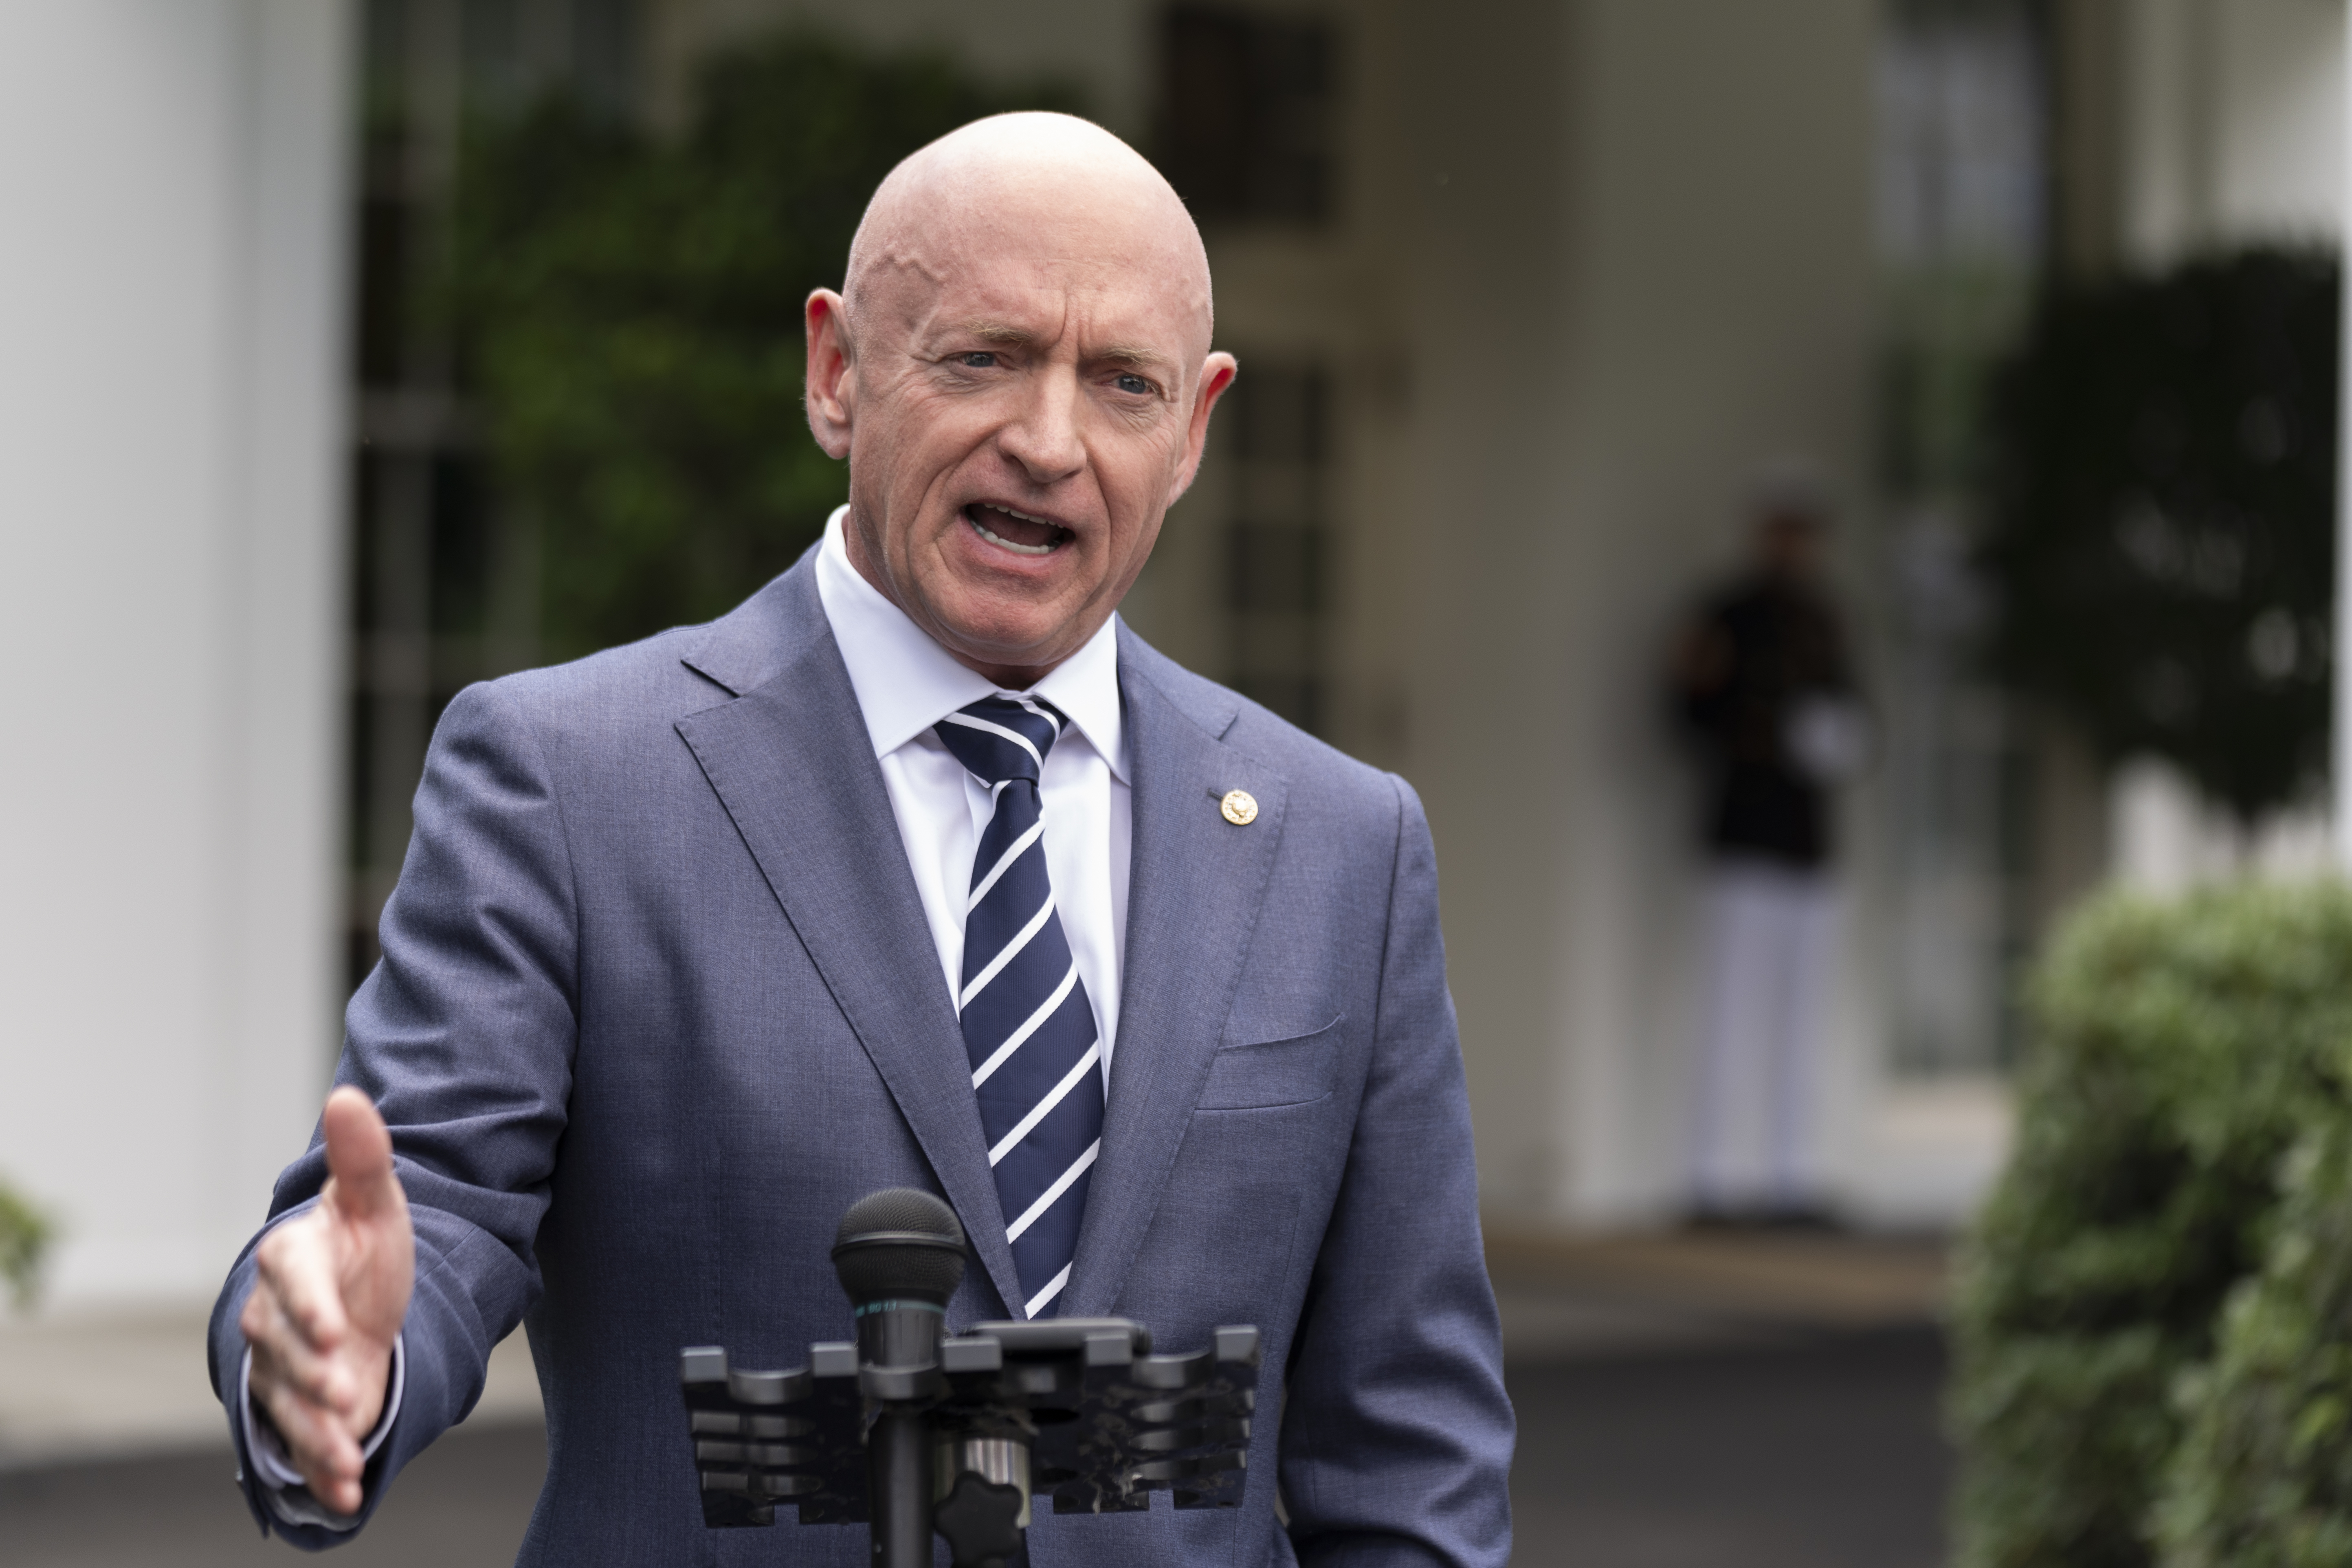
(899, 1254)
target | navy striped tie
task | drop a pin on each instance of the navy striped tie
(1028, 1027)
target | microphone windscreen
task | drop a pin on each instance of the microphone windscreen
(901, 1241)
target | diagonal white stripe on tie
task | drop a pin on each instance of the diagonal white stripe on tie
(1003, 865)
(1061, 1184)
(1006, 1144)
(1042, 712)
(1012, 951)
(986, 1070)
(1053, 1289)
(1015, 736)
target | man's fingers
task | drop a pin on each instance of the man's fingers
(359, 1156)
(311, 1399)
(297, 1265)
(326, 1454)
(283, 1358)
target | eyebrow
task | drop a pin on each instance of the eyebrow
(990, 332)
(1132, 355)
(1129, 354)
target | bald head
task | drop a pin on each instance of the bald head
(1052, 186)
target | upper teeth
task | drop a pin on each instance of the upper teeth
(990, 534)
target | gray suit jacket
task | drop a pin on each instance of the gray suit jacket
(657, 1003)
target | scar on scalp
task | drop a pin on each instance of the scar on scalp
(906, 258)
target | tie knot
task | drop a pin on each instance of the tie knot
(1002, 738)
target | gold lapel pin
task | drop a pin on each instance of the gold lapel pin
(1240, 807)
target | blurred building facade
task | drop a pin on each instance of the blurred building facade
(1525, 291)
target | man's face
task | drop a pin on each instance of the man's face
(1023, 404)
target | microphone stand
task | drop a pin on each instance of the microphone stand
(900, 1255)
(913, 1432)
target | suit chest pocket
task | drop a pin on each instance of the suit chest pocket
(1297, 1070)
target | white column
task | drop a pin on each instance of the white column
(172, 373)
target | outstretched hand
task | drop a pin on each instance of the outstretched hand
(334, 1288)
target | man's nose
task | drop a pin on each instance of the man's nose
(1043, 437)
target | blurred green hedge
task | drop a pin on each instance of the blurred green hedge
(2148, 1346)
(628, 310)
(2263, 1478)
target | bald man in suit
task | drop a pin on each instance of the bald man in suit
(918, 869)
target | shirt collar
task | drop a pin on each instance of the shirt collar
(905, 683)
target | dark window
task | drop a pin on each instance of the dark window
(1275, 424)
(443, 591)
(1246, 109)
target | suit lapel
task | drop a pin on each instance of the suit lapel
(1192, 903)
(791, 760)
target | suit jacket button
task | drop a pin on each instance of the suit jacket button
(1240, 807)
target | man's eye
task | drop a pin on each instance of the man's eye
(1135, 385)
(980, 360)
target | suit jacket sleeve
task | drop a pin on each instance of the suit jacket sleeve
(1397, 1435)
(462, 1036)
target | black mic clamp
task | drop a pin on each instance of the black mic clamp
(912, 1431)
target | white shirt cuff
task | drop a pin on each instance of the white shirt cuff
(289, 1495)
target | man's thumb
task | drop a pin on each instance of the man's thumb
(359, 1155)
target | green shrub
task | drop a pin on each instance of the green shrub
(2263, 1475)
(25, 1237)
(2180, 1051)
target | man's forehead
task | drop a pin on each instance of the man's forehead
(1038, 228)
(1118, 318)
(1010, 264)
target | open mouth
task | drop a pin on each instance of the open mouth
(1016, 531)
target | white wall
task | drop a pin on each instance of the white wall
(171, 328)
(2233, 122)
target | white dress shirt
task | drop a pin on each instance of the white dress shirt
(905, 683)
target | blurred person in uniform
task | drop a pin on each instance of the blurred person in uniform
(1763, 688)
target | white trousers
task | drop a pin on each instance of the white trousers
(1770, 930)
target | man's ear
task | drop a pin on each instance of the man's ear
(829, 386)
(1217, 372)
